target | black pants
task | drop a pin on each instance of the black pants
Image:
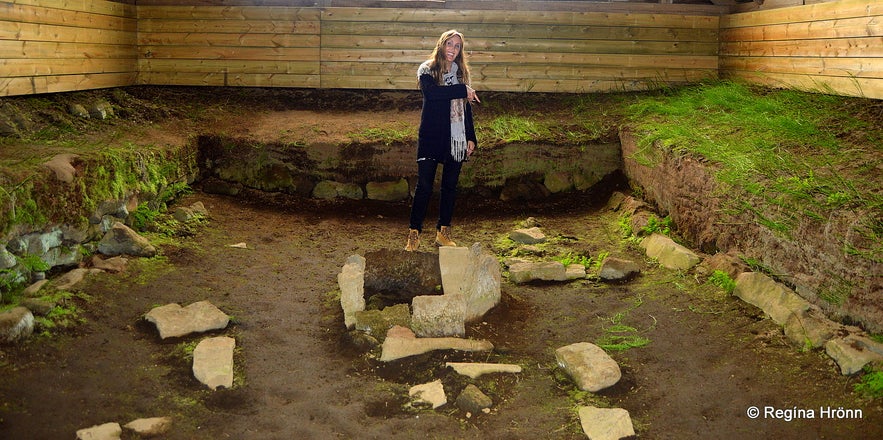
(426, 169)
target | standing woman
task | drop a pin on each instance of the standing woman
(446, 135)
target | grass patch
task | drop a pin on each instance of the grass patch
(399, 134)
(785, 157)
(871, 385)
(722, 279)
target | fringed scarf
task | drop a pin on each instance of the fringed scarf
(458, 118)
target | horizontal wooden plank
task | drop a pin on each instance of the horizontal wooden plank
(520, 5)
(568, 86)
(346, 42)
(231, 53)
(39, 67)
(861, 87)
(482, 73)
(422, 16)
(851, 27)
(233, 39)
(841, 47)
(92, 6)
(64, 83)
(848, 67)
(417, 57)
(63, 17)
(589, 62)
(50, 50)
(221, 79)
(44, 32)
(806, 13)
(507, 32)
(245, 13)
(230, 66)
(230, 26)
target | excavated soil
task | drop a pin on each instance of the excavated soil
(709, 359)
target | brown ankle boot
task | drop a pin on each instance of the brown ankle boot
(413, 240)
(443, 237)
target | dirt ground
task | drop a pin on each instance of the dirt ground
(710, 356)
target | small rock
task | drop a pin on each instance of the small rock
(589, 366)
(114, 264)
(34, 289)
(432, 393)
(78, 110)
(528, 236)
(362, 340)
(37, 306)
(388, 191)
(575, 271)
(473, 401)
(121, 239)
(183, 214)
(606, 423)
(669, 254)
(150, 427)
(107, 431)
(62, 166)
(71, 278)
(16, 324)
(615, 269)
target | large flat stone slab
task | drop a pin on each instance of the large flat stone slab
(401, 342)
(476, 369)
(213, 362)
(172, 320)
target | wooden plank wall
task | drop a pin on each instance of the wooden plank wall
(380, 48)
(64, 45)
(521, 51)
(834, 47)
(266, 46)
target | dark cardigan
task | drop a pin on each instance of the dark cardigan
(434, 136)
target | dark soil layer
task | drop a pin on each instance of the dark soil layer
(709, 359)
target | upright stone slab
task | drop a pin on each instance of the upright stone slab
(473, 273)
(213, 362)
(351, 281)
(439, 315)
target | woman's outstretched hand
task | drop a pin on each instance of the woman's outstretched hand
(471, 96)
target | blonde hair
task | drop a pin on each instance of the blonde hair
(437, 58)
